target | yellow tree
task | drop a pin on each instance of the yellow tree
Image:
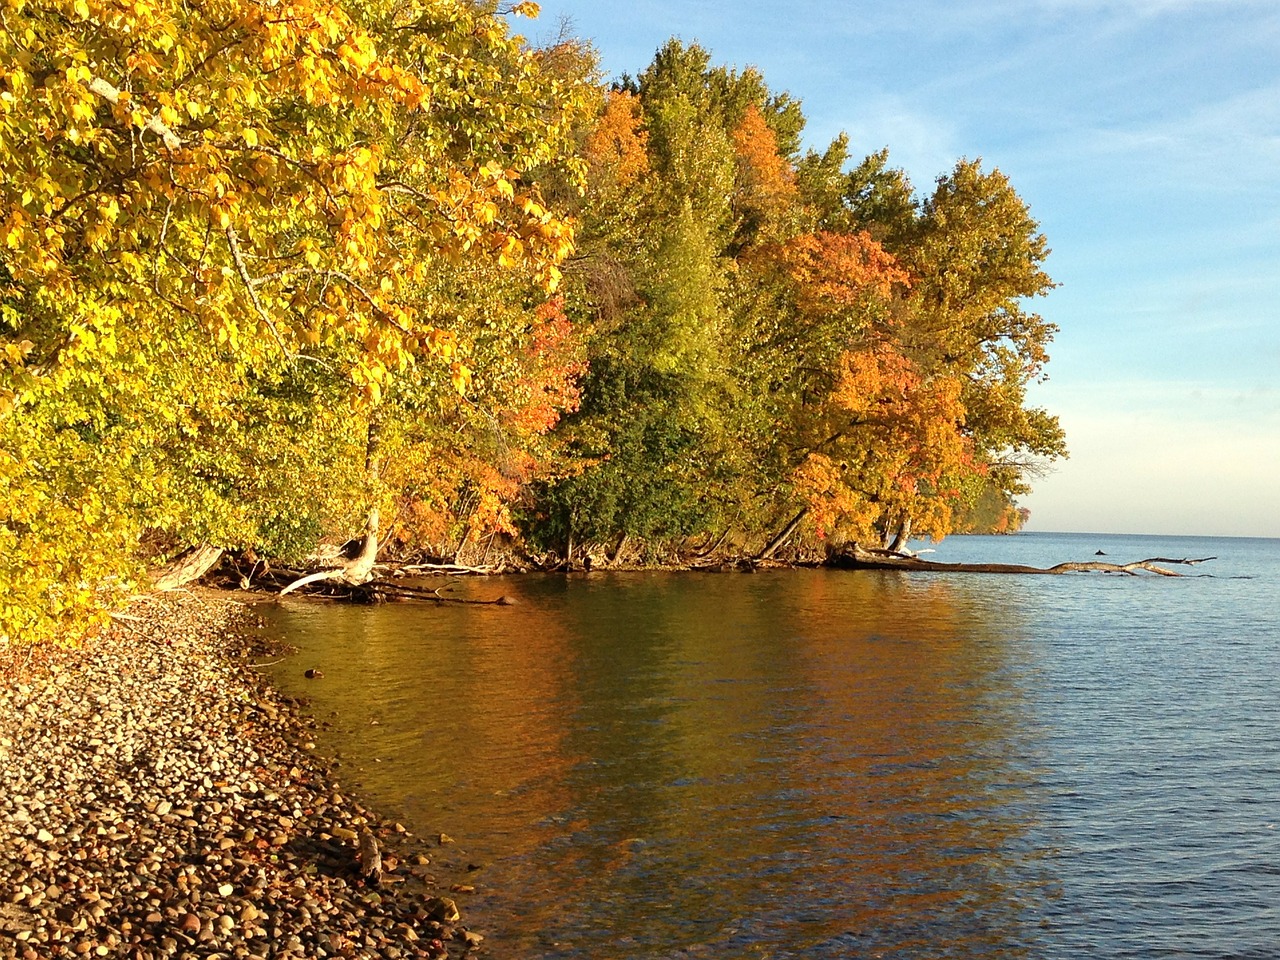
(238, 189)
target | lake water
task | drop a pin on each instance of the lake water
(827, 764)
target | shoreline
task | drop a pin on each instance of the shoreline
(159, 798)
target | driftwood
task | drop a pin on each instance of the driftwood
(356, 571)
(783, 536)
(389, 588)
(482, 570)
(192, 565)
(854, 557)
(884, 560)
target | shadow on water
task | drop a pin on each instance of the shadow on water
(802, 763)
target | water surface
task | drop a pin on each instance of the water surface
(835, 764)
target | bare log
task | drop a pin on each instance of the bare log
(481, 570)
(192, 565)
(854, 556)
(356, 571)
(392, 589)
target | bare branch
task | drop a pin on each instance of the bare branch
(234, 244)
(157, 126)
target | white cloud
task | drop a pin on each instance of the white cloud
(921, 142)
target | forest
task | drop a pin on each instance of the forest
(280, 273)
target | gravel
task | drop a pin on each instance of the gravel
(158, 799)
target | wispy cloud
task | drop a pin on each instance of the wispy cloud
(1238, 133)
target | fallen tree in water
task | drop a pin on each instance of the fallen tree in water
(855, 557)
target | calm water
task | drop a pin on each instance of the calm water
(834, 764)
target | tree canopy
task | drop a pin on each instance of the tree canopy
(271, 269)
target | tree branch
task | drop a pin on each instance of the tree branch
(157, 126)
(234, 244)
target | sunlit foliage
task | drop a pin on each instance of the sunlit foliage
(268, 269)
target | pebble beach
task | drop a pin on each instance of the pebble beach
(159, 799)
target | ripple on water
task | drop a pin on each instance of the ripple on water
(810, 764)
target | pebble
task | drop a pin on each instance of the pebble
(158, 799)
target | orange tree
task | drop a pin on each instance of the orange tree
(222, 228)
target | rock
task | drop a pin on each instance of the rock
(442, 910)
(156, 751)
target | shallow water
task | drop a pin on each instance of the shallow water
(834, 764)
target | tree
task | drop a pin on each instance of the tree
(208, 199)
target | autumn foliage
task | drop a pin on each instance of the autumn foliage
(240, 240)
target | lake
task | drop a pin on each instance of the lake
(827, 764)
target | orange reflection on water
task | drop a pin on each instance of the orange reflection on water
(808, 761)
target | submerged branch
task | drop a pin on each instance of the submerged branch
(855, 557)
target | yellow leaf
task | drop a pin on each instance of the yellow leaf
(250, 136)
(461, 377)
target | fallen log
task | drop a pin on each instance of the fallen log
(391, 589)
(855, 557)
(191, 565)
(483, 570)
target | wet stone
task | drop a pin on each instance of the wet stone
(156, 800)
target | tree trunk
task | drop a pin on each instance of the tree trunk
(901, 537)
(617, 551)
(783, 536)
(359, 569)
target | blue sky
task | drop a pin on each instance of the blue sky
(1145, 136)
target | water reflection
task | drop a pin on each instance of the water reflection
(798, 764)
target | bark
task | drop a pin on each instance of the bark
(192, 565)
(783, 536)
(854, 557)
(901, 537)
